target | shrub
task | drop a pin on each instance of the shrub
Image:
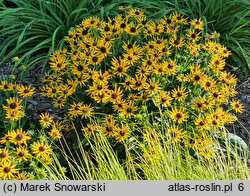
(121, 69)
(230, 18)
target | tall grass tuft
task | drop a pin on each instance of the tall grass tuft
(154, 158)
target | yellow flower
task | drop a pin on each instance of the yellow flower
(178, 115)
(177, 42)
(55, 132)
(14, 104)
(59, 63)
(6, 138)
(207, 83)
(197, 23)
(7, 171)
(153, 86)
(217, 63)
(119, 67)
(174, 134)
(24, 176)
(179, 93)
(75, 109)
(139, 82)
(171, 67)
(4, 155)
(129, 109)
(192, 35)
(46, 120)
(6, 86)
(200, 122)
(121, 133)
(88, 130)
(115, 95)
(19, 137)
(22, 154)
(41, 149)
(86, 111)
(25, 91)
(14, 115)
(164, 99)
(237, 106)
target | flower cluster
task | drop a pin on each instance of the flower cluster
(21, 149)
(114, 69)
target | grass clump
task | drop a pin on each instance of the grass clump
(151, 157)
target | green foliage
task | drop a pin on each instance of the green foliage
(34, 29)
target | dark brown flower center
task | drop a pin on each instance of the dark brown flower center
(199, 105)
(170, 65)
(130, 58)
(152, 86)
(193, 35)
(6, 169)
(129, 110)
(21, 154)
(19, 137)
(94, 59)
(85, 110)
(103, 49)
(149, 62)
(101, 77)
(123, 25)
(178, 115)
(120, 69)
(109, 129)
(217, 62)
(214, 122)
(26, 91)
(99, 87)
(138, 83)
(163, 99)
(3, 154)
(215, 95)
(208, 84)
(114, 95)
(106, 28)
(41, 148)
(197, 78)
(177, 42)
(132, 29)
(160, 69)
(13, 105)
(179, 94)
(127, 83)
